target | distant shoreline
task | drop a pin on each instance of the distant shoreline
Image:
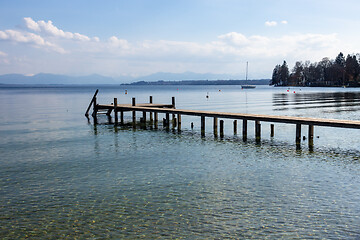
(201, 82)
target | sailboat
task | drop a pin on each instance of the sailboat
(246, 86)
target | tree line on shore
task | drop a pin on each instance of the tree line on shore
(326, 73)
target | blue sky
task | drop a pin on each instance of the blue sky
(141, 37)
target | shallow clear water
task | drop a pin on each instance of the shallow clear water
(62, 177)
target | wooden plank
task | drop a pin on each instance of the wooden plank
(255, 117)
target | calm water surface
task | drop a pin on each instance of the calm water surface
(62, 177)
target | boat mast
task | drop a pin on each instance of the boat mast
(247, 65)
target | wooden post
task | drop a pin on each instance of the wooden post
(155, 120)
(235, 127)
(244, 129)
(91, 102)
(215, 126)
(173, 125)
(94, 107)
(202, 126)
(271, 130)
(144, 120)
(298, 134)
(179, 122)
(311, 135)
(167, 121)
(173, 102)
(151, 114)
(115, 111)
(122, 117)
(133, 113)
(221, 128)
(257, 131)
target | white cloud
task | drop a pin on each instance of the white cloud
(26, 37)
(2, 54)
(118, 43)
(270, 23)
(284, 22)
(49, 28)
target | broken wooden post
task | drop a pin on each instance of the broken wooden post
(144, 120)
(91, 102)
(271, 130)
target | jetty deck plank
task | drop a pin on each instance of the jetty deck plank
(166, 108)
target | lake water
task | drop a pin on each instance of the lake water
(63, 177)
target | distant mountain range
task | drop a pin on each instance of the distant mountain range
(169, 78)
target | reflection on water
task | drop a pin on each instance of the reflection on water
(338, 101)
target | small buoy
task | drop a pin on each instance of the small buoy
(294, 91)
(219, 90)
(125, 91)
(288, 90)
(304, 138)
(207, 95)
(192, 125)
(317, 136)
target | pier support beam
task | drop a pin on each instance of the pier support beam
(179, 122)
(133, 113)
(167, 121)
(271, 130)
(257, 131)
(122, 117)
(156, 120)
(215, 127)
(298, 134)
(115, 111)
(151, 114)
(144, 120)
(202, 126)
(221, 128)
(244, 130)
(311, 136)
(235, 127)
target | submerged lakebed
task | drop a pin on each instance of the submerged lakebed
(62, 177)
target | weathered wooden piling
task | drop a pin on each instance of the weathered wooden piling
(115, 111)
(133, 112)
(311, 135)
(156, 120)
(257, 131)
(151, 114)
(271, 130)
(91, 103)
(179, 122)
(167, 119)
(221, 128)
(298, 134)
(215, 125)
(203, 126)
(244, 129)
(235, 127)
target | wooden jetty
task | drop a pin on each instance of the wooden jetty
(167, 109)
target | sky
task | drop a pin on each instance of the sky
(140, 37)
